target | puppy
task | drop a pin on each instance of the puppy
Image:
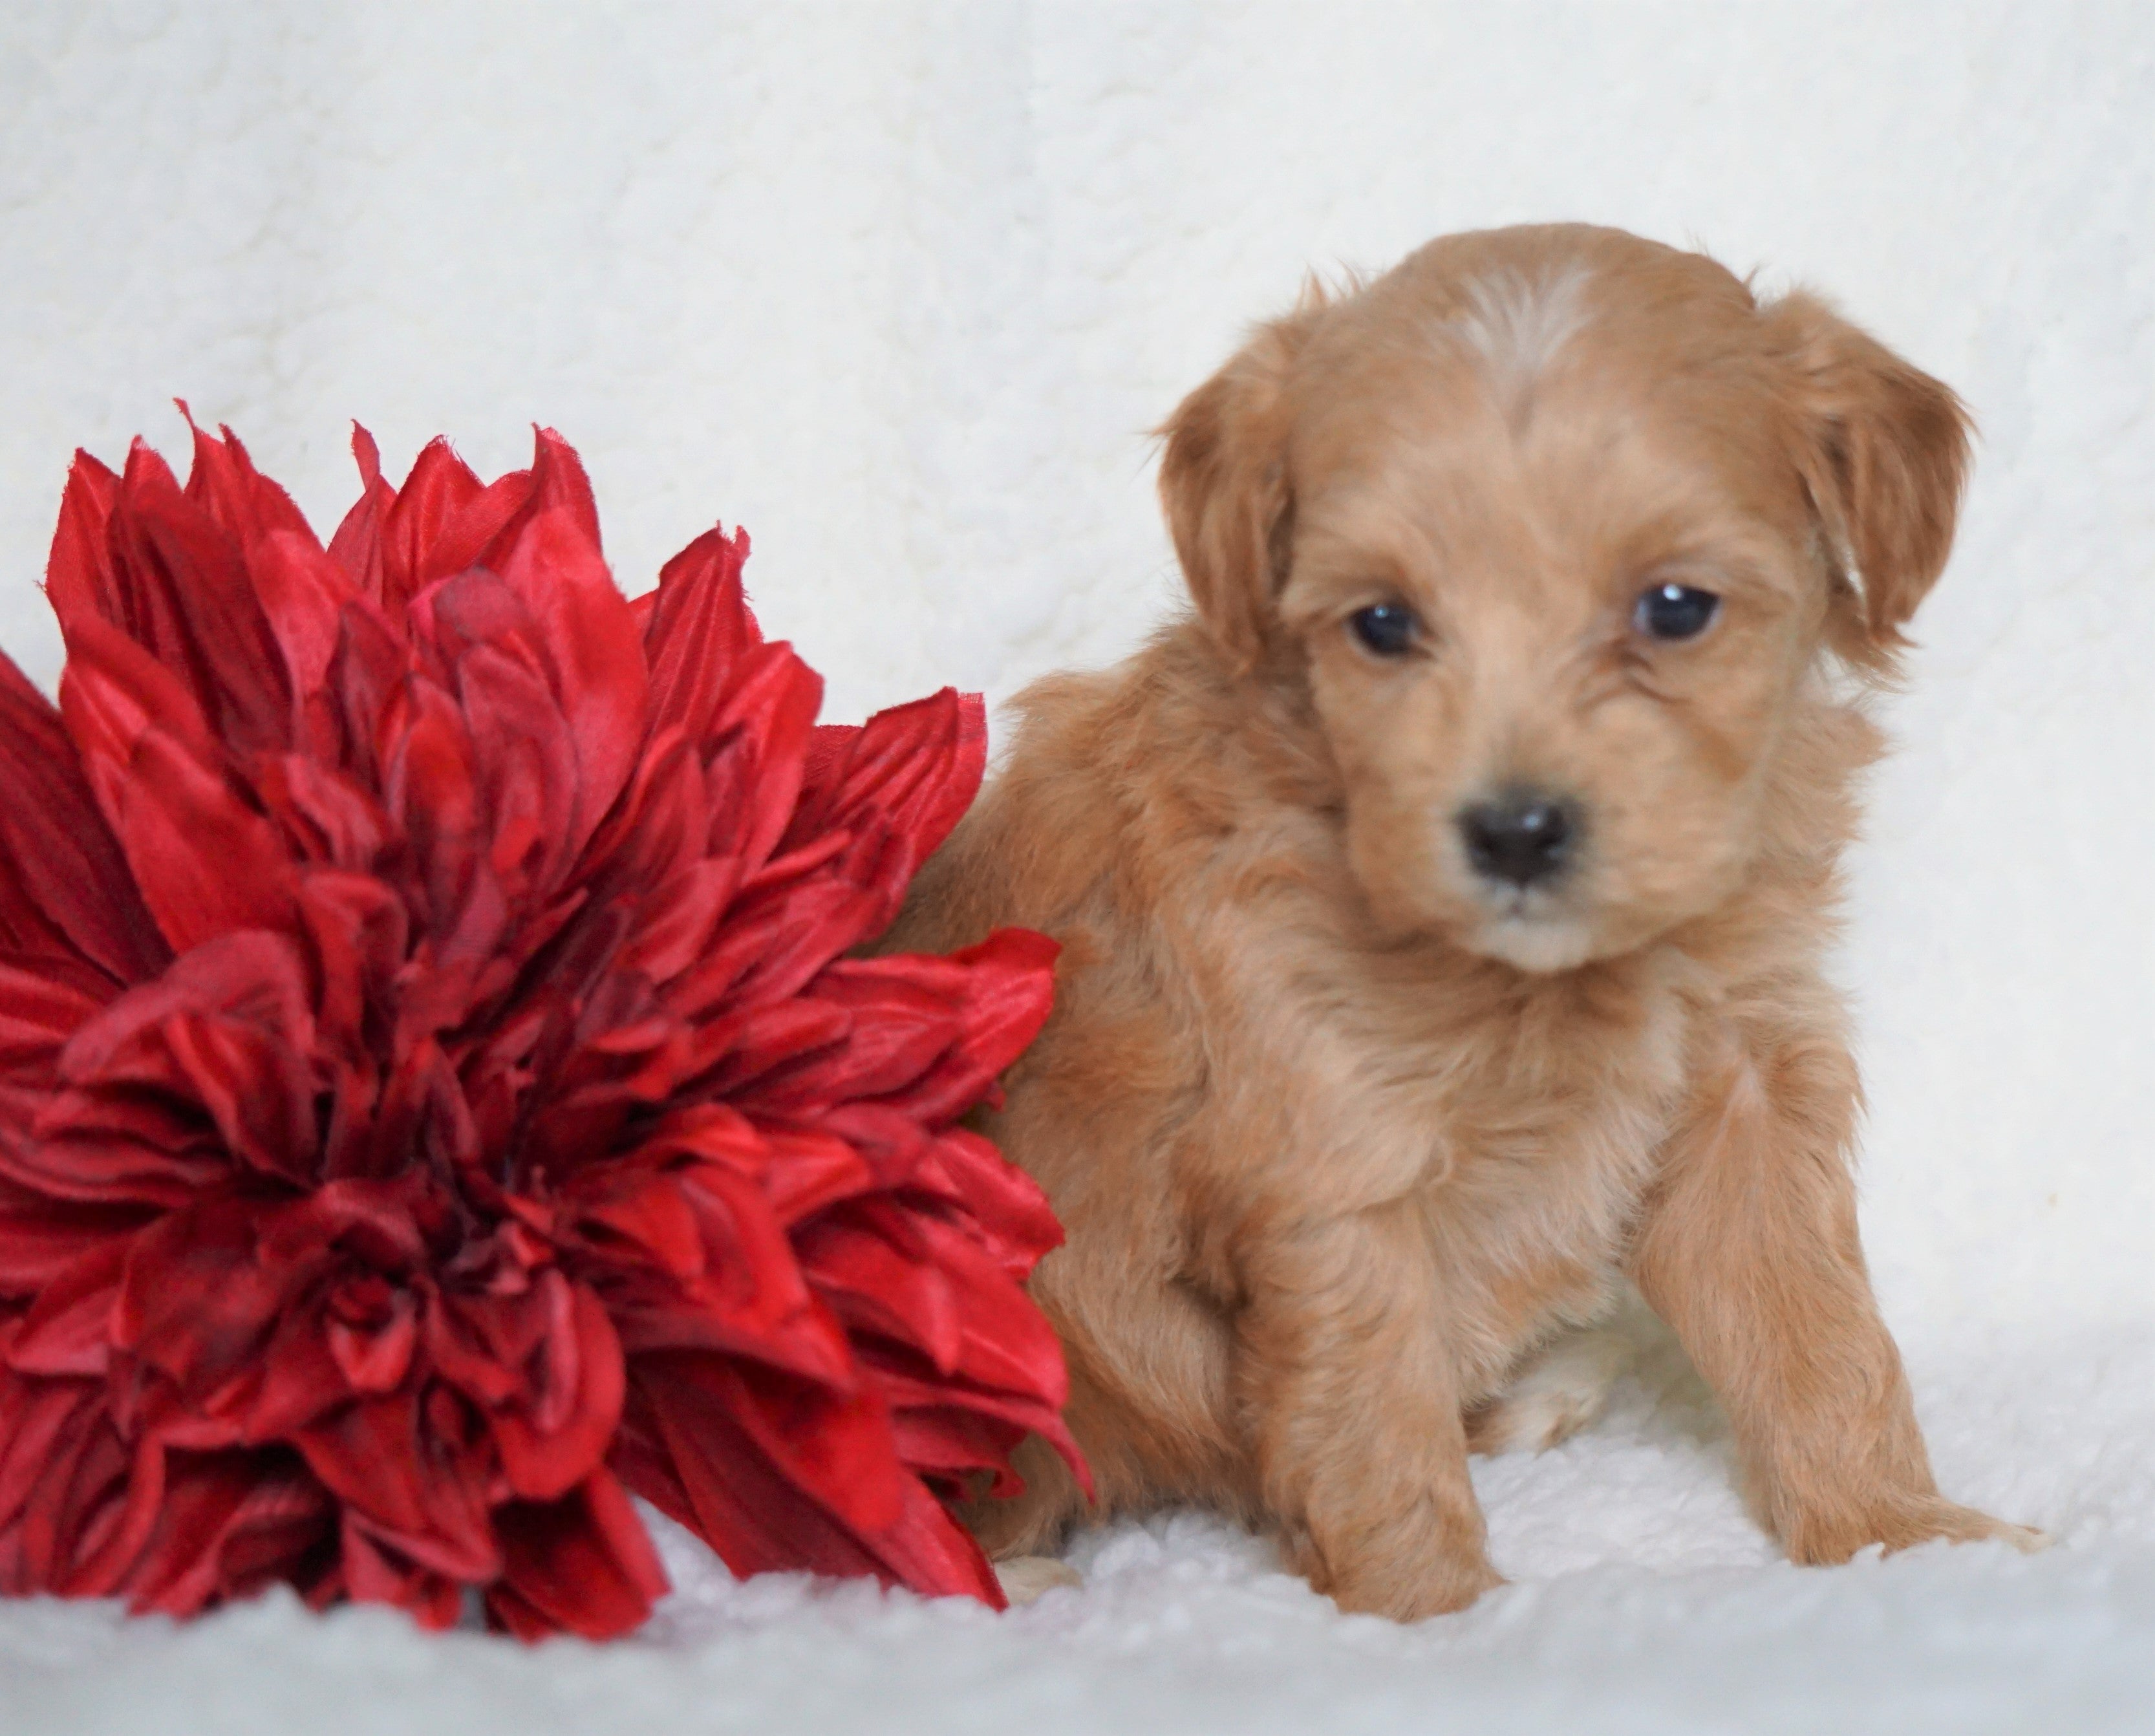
(1443, 904)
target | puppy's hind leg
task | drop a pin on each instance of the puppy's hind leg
(1017, 1533)
(1024, 1578)
(1555, 1395)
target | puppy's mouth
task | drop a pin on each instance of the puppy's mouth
(1529, 929)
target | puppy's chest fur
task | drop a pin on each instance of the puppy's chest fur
(1515, 1120)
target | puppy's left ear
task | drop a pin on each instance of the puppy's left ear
(1883, 449)
(1223, 485)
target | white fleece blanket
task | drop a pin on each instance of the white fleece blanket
(900, 284)
(1642, 1598)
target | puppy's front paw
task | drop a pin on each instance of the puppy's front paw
(1903, 1525)
(2029, 1539)
(1371, 1590)
(1405, 1585)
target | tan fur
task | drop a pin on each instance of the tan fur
(1344, 1137)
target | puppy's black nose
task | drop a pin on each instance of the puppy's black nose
(1521, 837)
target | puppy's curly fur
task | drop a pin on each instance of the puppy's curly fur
(1347, 1124)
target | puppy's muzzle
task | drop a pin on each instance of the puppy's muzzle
(1522, 838)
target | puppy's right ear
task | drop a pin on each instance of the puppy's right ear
(1224, 486)
(1883, 451)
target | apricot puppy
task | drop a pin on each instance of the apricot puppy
(1442, 905)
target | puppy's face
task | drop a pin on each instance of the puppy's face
(1554, 524)
(1554, 605)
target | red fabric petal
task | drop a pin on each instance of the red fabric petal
(78, 577)
(554, 483)
(69, 1329)
(559, 1437)
(413, 1466)
(236, 497)
(39, 1419)
(357, 546)
(182, 592)
(229, 1524)
(555, 566)
(238, 1001)
(303, 597)
(700, 629)
(913, 769)
(62, 860)
(205, 864)
(375, 1570)
(583, 1564)
(931, 1552)
(440, 495)
(37, 1014)
(41, 1237)
(777, 1473)
(197, 1302)
(764, 728)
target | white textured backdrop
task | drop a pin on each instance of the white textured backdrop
(901, 288)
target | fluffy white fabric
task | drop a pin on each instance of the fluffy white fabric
(900, 286)
(1643, 1599)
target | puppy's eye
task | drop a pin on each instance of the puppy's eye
(1387, 628)
(1675, 612)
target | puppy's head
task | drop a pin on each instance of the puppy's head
(1553, 524)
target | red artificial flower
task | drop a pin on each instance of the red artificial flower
(435, 1099)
